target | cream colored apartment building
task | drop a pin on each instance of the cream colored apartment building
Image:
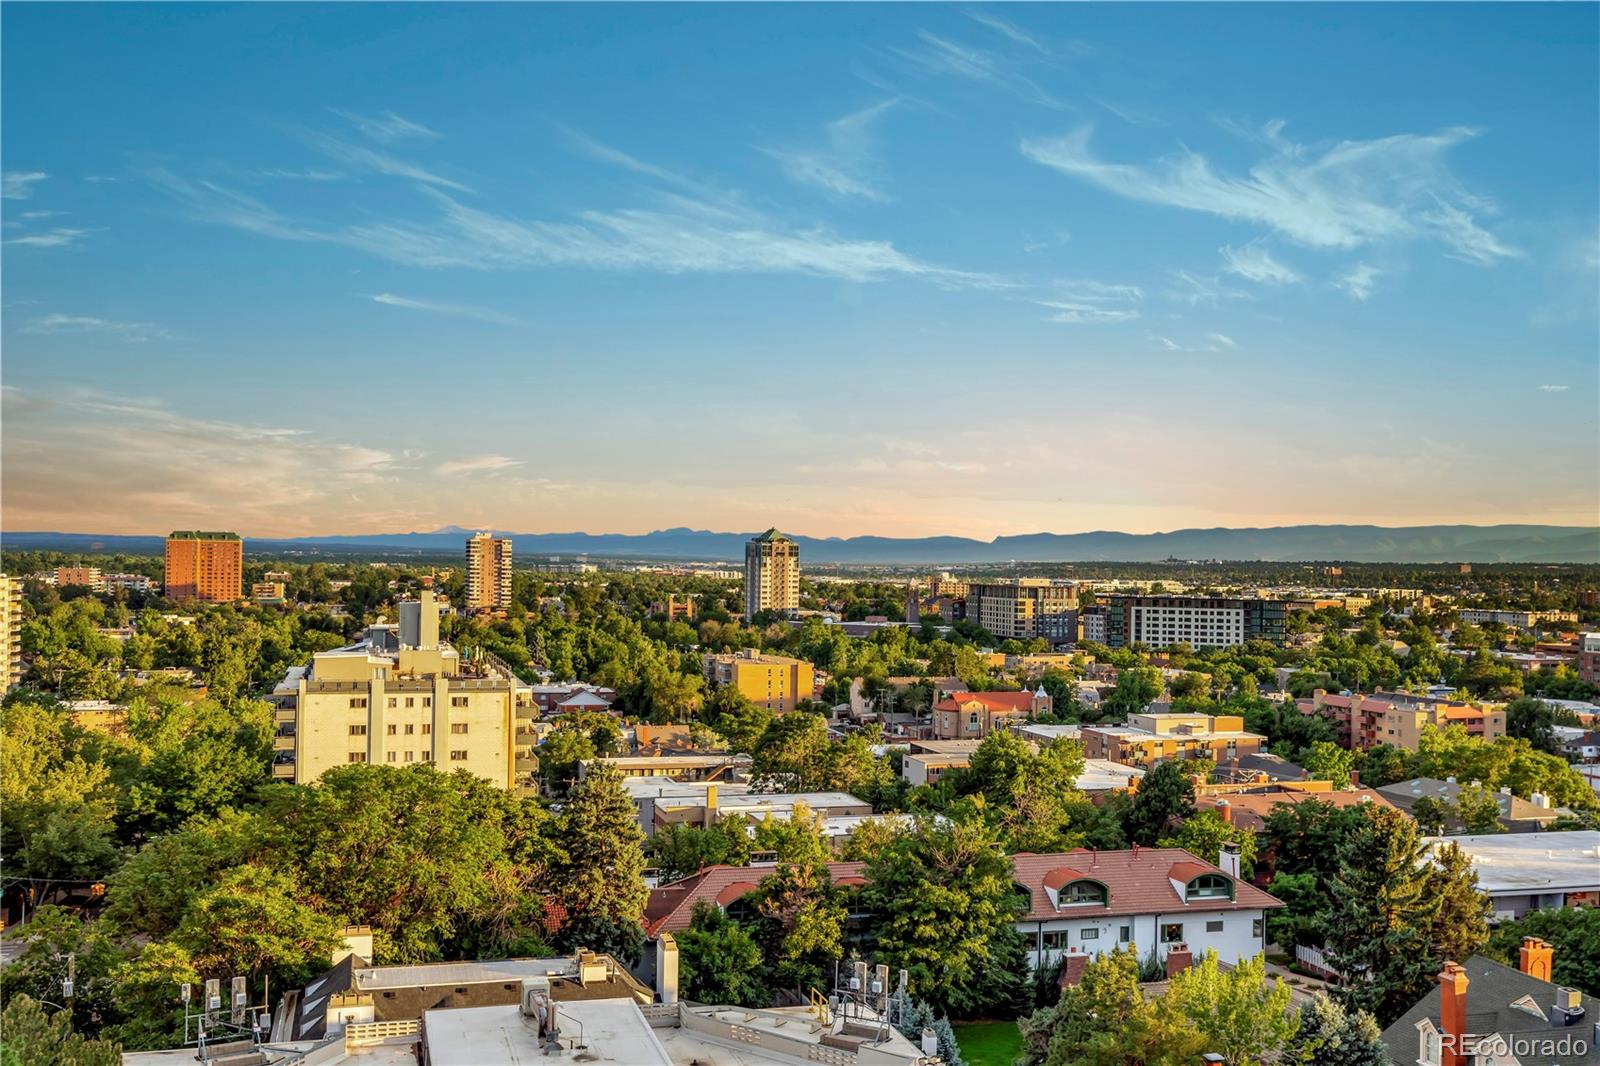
(488, 572)
(401, 696)
(771, 574)
(11, 631)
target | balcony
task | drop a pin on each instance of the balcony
(283, 771)
(527, 764)
(285, 714)
(283, 743)
(528, 713)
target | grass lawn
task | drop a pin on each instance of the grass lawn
(989, 1043)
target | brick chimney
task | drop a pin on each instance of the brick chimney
(1453, 1015)
(1355, 778)
(1225, 811)
(1073, 963)
(1179, 959)
(1536, 958)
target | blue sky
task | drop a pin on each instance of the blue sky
(844, 269)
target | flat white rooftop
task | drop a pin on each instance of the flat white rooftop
(1102, 775)
(1047, 732)
(598, 1030)
(664, 788)
(1513, 863)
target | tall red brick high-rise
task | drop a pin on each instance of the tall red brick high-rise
(208, 567)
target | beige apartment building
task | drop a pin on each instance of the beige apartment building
(775, 682)
(488, 572)
(1147, 739)
(10, 632)
(1398, 718)
(268, 591)
(400, 696)
(86, 576)
(1024, 608)
(771, 574)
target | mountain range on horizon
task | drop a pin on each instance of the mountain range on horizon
(1302, 543)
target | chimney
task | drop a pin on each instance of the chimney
(667, 969)
(1355, 778)
(1453, 1015)
(1536, 958)
(1230, 861)
(1179, 959)
(1225, 811)
(711, 806)
(1567, 1009)
(1072, 966)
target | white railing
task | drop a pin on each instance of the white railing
(1314, 959)
(364, 1034)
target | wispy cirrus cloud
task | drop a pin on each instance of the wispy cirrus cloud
(940, 56)
(1196, 289)
(18, 184)
(1086, 302)
(677, 234)
(477, 464)
(1254, 263)
(481, 314)
(1348, 195)
(55, 238)
(1213, 342)
(1359, 280)
(841, 164)
(386, 126)
(287, 174)
(364, 158)
(133, 332)
(601, 152)
(1006, 29)
(1554, 388)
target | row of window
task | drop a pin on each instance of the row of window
(360, 702)
(1171, 933)
(459, 755)
(393, 729)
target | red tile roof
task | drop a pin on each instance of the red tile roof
(1251, 809)
(1139, 882)
(1185, 871)
(1062, 876)
(670, 906)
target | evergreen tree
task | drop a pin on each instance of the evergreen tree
(911, 1017)
(1165, 798)
(601, 875)
(1383, 912)
(1329, 1035)
(34, 1038)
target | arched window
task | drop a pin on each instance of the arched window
(1083, 892)
(1210, 886)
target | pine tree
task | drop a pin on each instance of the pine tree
(1332, 1036)
(1378, 932)
(601, 877)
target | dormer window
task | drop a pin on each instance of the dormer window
(1084, 892)
(1209, 886)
